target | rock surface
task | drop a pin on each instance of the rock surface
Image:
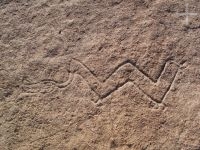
(99, 74)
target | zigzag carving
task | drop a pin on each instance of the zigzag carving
(126, 72)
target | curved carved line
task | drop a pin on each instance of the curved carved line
(54, 82)
(65, 84)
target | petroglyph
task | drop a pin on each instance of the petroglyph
(125, 72)
(45, 86)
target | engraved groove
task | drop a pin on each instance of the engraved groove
(125, 72)
(54, 82)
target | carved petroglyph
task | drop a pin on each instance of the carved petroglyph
(45, 86)
(126, 72)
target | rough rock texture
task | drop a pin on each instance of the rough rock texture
(99, 75)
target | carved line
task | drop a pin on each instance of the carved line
(128, 61)
(168, 89)
(102, 96)
(55, 83)
(116, 87)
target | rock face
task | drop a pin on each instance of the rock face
(99, 75)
